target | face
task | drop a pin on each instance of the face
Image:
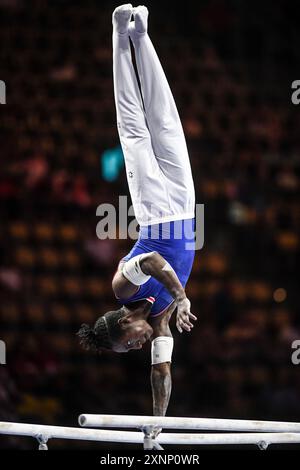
(135, 334)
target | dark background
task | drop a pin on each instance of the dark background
(230, 65)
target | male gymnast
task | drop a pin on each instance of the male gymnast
(150, 280)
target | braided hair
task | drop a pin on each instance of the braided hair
(103, 333)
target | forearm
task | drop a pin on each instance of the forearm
(155, 265)
(161, 384)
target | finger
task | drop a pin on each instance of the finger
(192, 316)
(178, 327)
(156, 431)
(186, 320)
(185, 326)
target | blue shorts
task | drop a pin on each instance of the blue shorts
(174, 241)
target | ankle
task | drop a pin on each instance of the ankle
(134, 33)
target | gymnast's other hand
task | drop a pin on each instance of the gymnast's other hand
(155, 431)
(184, 315)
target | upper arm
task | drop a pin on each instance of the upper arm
(122, 286)
(150, 261)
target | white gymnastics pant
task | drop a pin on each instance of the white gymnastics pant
(152, 139)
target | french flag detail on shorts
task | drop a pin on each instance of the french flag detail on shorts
(151, 299)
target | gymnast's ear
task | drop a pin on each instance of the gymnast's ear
(123, 321)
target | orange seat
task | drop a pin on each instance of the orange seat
(49, 257)
(68, 232)
(35, 312)
(9, 313)
(61, 313)
(288, 241)
(25, 256)
(44, 231)
(19, 230)
(48, 285)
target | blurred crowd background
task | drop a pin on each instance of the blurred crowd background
(230, 65)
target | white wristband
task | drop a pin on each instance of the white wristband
(161, 349)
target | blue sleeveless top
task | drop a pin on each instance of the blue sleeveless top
(174, 241)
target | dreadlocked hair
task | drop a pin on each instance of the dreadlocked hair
(103, 333)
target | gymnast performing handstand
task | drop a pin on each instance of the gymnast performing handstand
(150, 281)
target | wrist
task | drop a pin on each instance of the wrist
(180, 297)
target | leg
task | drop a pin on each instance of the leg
(165, 127)
(130, 115)
(147, 188)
